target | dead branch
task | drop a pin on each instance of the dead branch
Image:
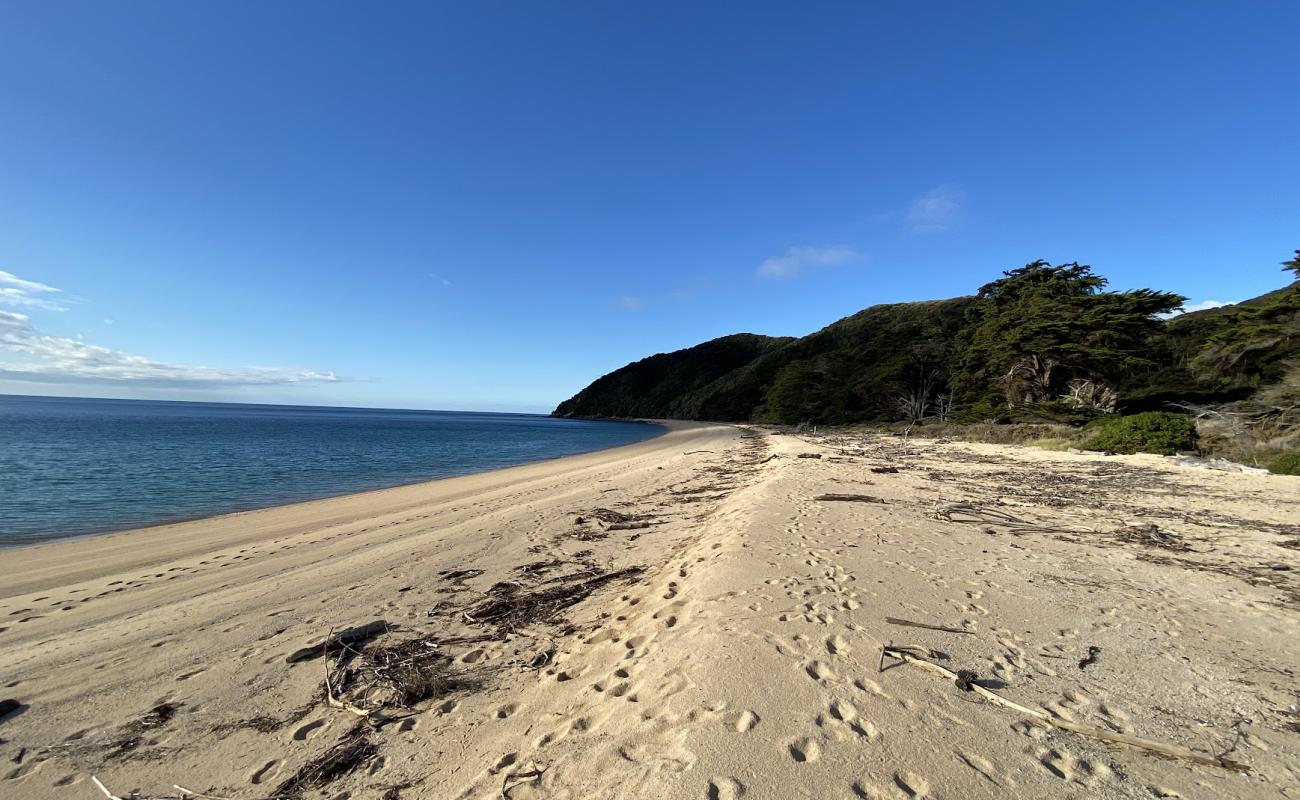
(910, 624)
(1042, 717)
(849, 498)
(348, 636)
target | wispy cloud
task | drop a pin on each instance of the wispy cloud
(15, 291)
(1203, 305)
(936, 210)
(797, 260)
(630, 301)
(41, 358)
(439, 279)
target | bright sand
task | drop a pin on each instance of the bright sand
(743, 662)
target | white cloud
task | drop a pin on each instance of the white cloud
(15, 291)
(630, 301)
(796, 260)
(58, 359)
(27, 286)
(1204, 305)
(936, 210)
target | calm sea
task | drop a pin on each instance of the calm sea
(76, 466)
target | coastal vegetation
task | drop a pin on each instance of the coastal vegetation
(1042, 345)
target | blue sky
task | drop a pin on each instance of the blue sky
(487, 205)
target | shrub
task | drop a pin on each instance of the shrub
(1151, 432)
(1285, 464)
(1052, 443)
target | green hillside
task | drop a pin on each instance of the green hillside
(1041, 342)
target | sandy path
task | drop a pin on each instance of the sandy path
(743, 662)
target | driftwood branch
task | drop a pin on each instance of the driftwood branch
(343, 638)
(910, 624)
(1150, 746)
(849, 498)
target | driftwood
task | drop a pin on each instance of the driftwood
(969, 683)
(343, 638)
(910, 624)
(809, 455)
(330, 699)
(520, 777)
(849, 498)
(628, 526)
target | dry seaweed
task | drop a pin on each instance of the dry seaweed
(511, 609)
(849, 498)
(354, 750)
(133, 734)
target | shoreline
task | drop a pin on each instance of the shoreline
(213, 529)
(44, 539)
(702, 614)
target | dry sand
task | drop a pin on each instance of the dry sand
(743, 661)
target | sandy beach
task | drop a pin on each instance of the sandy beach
(701, 615)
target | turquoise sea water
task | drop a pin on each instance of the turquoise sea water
(77, 466)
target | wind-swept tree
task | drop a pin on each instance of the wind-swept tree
(1293, 265)
(1041, 332)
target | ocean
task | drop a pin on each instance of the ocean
(70, 467)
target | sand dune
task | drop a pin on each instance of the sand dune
(727, 642)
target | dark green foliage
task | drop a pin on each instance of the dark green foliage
(1285, 464)
(656, 386)
(1149, 432)
(1042, 333)
(1041, 344)
(1293, 265)
(1249, 344)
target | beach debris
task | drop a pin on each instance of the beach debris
(103, 789)
(809, 455)
(355, 749)
(540, 567)
(460, 575)
(966, 680)
(911, 624)
(908, 655)
(608, 516)
(884, 470)
(1151, 535)
(628, 526)
(519, 777)
(1094, 653)
(971, 514)
(389, 675)
(344, 638)
(133, 734)
(849, 498)
(1219, 464)
(509, 608)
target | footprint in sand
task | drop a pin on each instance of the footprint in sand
(805, 750)
(307, 731)
(725, 789)
(744, 721)
(911, 784)
(267, 771)
(507, 710)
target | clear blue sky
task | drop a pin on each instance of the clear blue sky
(487, 205)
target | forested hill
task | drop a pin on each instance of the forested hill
(1043, 341)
